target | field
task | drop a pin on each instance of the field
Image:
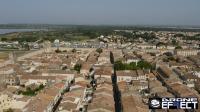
(44, 35)
(4, 55)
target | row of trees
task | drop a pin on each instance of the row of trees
(192, 38)
(132, 66)
(185, 37)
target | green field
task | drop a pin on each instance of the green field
(45, 35)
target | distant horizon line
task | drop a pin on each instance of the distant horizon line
(129, 25)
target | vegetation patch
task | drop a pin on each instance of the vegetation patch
(77, 67)
(31, 92)
(132, 66)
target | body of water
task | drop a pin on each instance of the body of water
(4, 31)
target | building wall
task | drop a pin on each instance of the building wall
(5, 102)
(142, 77)
(104, 76)
(124, 78)
(186, 52)
(38, 82)
(132, 60)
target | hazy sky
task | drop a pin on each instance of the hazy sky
(117, 12)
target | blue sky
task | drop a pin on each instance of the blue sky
(94, 12)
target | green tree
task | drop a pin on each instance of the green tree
(171, 58)
(99, 50)
(144, 65)
(26, 46)
(29, 92)
(4, 39)
(39, 88)
(174, 42)
(57, 51)
(8, 110)
(73, 50)
(178, 47)
(77, 67)
(119, 65)
(132, 66)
